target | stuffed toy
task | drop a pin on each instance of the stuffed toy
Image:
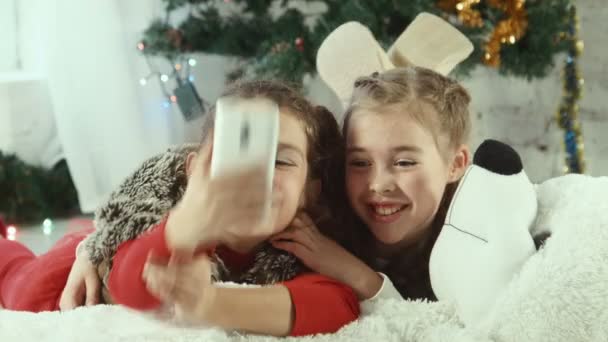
(486, 236)
(351, 51)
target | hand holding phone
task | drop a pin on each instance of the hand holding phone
(229, 195)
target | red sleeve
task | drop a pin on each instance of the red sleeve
(321, 304)
(125, 281)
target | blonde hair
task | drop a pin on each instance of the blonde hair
(421, 88)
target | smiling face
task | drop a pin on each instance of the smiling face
(406, 131)
(396, 173)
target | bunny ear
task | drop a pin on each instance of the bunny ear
(349, 52)
(432, 43)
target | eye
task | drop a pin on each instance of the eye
(359, 163)
(284, 163)
(404, 163)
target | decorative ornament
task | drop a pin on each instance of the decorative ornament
(507, 31)
(469, 16)
(568, 114)
(299, 44)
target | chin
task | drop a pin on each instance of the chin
(387, 239)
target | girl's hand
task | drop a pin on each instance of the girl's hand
(325, 256)
(83, 285)
(227, 209)
(185, 284)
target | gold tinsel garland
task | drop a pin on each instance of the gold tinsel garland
(510, 30)
(507, 31)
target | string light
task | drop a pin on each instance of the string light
(11, 233)
(141, 46)
(182, 65)
(47, 226)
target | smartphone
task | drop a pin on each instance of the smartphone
(246, 133)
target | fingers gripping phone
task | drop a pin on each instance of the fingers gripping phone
(246, 133)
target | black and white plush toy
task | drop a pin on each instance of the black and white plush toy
(486, 236)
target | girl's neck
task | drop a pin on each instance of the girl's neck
(412, 243)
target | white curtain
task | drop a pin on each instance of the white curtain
(91, 86)
(106, 122)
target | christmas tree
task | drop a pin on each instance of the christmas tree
(278, 39)
(31, 193)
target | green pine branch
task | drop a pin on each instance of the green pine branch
(252, 33)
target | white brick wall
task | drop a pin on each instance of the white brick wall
(518, 111)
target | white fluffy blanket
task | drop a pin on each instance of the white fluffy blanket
(561, 294)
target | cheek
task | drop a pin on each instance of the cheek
(356, 183)
(290, 186)
(426, 186)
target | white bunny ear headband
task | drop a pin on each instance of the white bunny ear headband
(351, 51)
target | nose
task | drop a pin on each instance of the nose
(381, 181)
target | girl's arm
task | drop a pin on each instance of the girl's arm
(325, 256)
(308, 304)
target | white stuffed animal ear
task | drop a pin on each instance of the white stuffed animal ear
(486, 235)
(351, 51)
(430, 42)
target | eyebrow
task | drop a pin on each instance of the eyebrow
(286, 146)
(396, 149)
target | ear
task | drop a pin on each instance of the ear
(190, 160)
(459, 163)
